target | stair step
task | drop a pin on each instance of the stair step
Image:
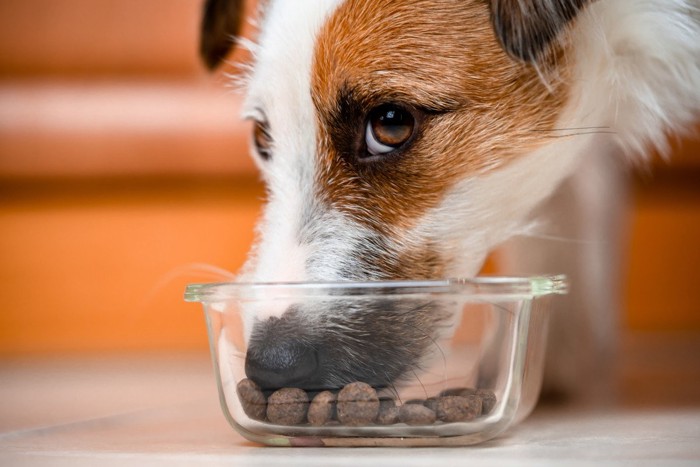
(114, 128)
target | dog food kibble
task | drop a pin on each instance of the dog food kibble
(287, 406)
(388, 412)
(488, 397)
(252, 399)
(358, 404)
(321, 409)
(458, 408)
(431, 403)
(488, 400)
(416, 414)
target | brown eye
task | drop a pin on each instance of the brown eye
(262, 140)
(388, 128)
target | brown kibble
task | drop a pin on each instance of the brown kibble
(431, 403)
(252, 399)
(415, 401)
(458, 408)
(321, 409)
(287, 406)
(388, 412)
(357, 404)
(488, 400)
(416, 414)
(386, 402)
(488, 397)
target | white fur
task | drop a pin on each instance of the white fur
(637, 69)
(279, 90)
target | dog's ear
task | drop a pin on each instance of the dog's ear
(526, 27)
(221, 23)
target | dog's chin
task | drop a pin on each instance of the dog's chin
(328, 344)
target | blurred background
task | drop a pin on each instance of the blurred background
(124, 168)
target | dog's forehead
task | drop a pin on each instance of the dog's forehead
(434, 52)
(281, 77)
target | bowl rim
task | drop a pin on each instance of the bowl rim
(480, 287)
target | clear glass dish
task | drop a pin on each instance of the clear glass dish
(485, 350)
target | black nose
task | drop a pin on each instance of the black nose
(274, 365)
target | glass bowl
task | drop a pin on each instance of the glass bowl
(393, 363)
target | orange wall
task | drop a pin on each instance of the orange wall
(662, 291)
(104, 266)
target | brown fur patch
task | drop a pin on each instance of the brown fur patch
(382, 262)
(478, 108)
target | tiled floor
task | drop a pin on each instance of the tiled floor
(163, 410)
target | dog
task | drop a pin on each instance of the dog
(407, 139)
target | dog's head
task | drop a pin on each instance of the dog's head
(398, 140)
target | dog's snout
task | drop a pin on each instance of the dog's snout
(281, 353)
(274, 365)
(324, 346)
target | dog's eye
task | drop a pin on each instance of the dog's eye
(388, 128)
(262, 140)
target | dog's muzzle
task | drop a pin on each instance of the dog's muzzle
(317, 346)
(276, 359)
